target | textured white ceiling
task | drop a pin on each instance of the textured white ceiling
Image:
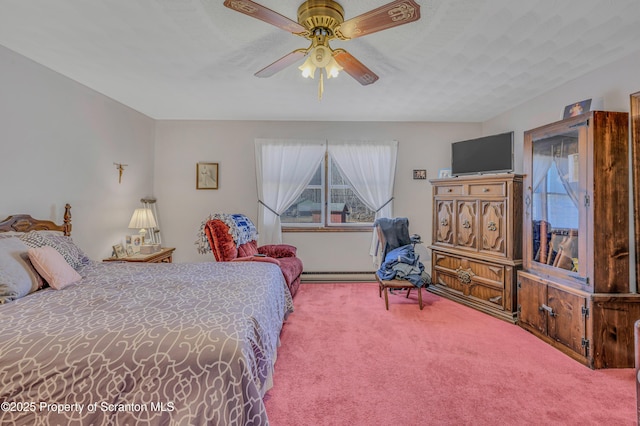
(464, 60)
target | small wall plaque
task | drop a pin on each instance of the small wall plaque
(420, 174)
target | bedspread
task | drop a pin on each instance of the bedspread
(144, 343)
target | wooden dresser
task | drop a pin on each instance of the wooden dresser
(477, 241)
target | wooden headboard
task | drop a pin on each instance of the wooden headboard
(25, 223)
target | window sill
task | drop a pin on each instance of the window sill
(329, 229)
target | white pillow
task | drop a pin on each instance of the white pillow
(17, 277)
(52, 267)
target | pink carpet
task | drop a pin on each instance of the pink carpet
(345, 360)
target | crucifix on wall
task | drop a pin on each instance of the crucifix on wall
(120, 167)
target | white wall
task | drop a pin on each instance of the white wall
(59, 140)
(609, 88)
(58, 143)
(181, 144)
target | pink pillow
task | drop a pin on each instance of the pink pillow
(52, 267)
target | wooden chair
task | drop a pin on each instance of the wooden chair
(395, 284)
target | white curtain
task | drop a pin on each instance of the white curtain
(370, 168)
(283, 170)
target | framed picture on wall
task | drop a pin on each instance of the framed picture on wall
(419, 174)
(207, 176)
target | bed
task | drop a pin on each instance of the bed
(137, 343)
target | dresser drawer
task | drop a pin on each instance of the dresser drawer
(490, 189)
(449, 190)
(484, 282)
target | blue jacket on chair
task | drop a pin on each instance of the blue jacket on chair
(402, 262)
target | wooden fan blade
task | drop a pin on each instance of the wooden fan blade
(391, 15)
(282, 63)
(354, 67)
(267, 15)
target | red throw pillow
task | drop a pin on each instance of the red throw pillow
(278, 250)
(221, 242)
(248, 249)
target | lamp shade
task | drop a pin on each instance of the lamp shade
(142, 218)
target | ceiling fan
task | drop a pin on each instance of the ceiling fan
(321, 21)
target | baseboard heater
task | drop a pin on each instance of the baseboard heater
(338, 276)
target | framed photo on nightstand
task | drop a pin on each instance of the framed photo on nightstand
(134, 242)
(118, 251)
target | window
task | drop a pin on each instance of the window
(328, 201)
(553, 204)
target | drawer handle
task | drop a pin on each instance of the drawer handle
(485, 189)
(466, 224)
(444, 222)
(464, 276)
(449, 190)
(491, 226)
(549, 309)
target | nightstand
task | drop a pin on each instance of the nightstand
(165, 255)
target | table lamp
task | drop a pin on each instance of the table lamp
(142, 219)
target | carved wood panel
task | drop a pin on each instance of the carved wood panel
(26, 223)
(444, 222)
(493, 222)
(467, 230)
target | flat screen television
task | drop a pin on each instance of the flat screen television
(488, 154)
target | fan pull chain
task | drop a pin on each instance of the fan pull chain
(320, 86)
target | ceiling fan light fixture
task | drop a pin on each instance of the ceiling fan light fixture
(321, 56)
(333, 69)
(308, 68)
